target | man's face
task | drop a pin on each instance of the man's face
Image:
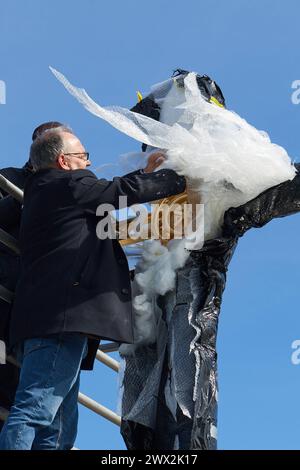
(74, 155)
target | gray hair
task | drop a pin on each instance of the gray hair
(46, 147)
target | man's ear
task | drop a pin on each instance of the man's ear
(62, 162)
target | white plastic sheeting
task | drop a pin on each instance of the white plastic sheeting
(226, 159)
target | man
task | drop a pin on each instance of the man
(74, 288)
(10, 218)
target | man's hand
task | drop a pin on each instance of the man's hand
(154, 161)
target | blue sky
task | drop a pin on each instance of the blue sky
(115, 48)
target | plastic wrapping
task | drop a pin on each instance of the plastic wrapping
(226, 159)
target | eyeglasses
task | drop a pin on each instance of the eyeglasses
(85, 155)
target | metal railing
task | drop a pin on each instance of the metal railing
(11, 189)
(101, 355)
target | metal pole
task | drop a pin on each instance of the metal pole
(99, 409)
(6, 294)
(108, 361)
(11, 189)
(9, 241)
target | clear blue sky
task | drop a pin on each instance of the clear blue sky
(113, 49)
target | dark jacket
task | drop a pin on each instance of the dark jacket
(10, 208)
(70, 279)
(10, 219)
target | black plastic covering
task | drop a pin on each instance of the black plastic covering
(279, 201)
(208, 87)
(200, 285)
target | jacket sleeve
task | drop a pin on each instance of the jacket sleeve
(137, 187)
(279, 201)
(135, 172)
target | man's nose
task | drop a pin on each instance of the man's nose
(88, 163)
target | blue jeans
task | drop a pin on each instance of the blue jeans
(45, 413)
